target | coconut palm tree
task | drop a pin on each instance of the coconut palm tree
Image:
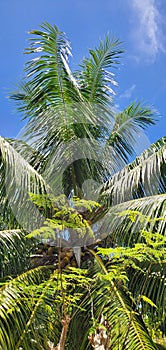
(74, 142)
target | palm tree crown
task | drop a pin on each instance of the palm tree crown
(75, 143)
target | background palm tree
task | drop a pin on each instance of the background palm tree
(73, 134)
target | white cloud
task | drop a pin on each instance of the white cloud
(147, 32)
(128, 93)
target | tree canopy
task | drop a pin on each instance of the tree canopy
(82, 226)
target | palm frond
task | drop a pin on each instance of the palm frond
(31, 155)
(95, 79)
(149, 213)
(144, 177)
(25, 307)
(150, 281)
(48, 91)
(13, 253)
(17, 180)
(127, 125)
(48, 80)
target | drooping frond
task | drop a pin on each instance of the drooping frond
(149, 213)
(127, 126)
(31, 155)
(17, 180)
(26, 306)
(144, 177)
(13, 249)
(150, 281)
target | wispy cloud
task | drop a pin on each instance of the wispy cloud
(148, 27)
(128, 93)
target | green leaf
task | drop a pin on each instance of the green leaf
(147, 300)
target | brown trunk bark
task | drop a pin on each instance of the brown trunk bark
(65, 323)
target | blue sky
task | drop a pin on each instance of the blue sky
(139, 24)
